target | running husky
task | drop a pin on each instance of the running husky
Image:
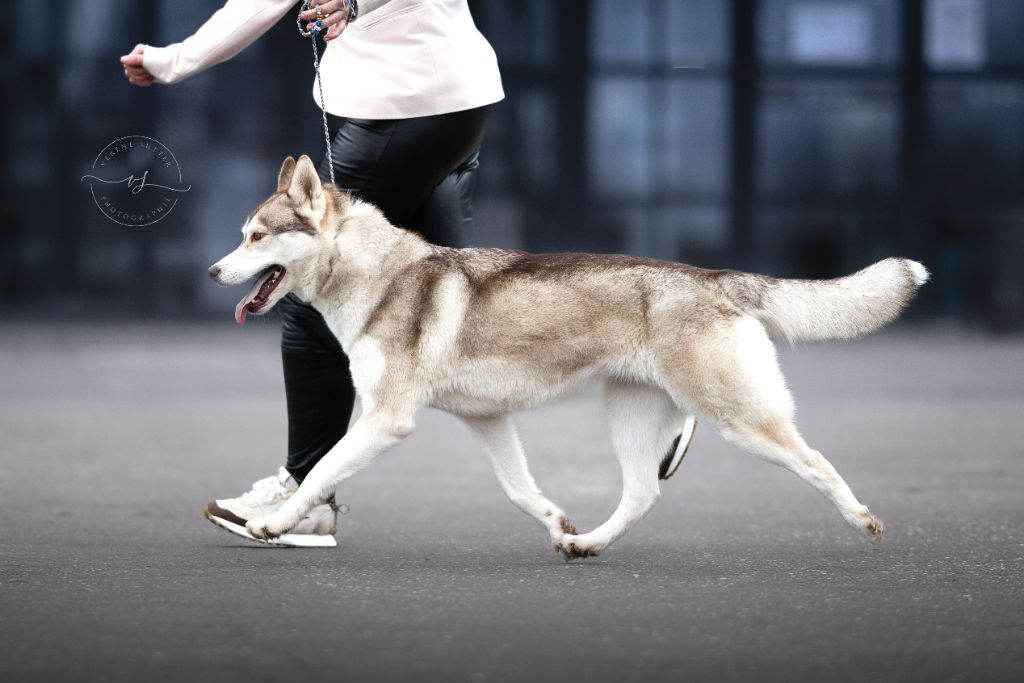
(483, 333)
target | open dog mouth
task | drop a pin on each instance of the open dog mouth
(257, 297)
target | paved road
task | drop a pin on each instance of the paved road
(113, 436)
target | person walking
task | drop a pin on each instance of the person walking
(406, 93)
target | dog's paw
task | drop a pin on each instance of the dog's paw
(572, 547)
(271, 526)
(875, 529)
(558, 528)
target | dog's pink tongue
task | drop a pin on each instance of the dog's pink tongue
(243, 306)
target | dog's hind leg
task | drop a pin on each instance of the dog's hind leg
(644, 424)
(736, 380)
(779, 442)
(501, 442)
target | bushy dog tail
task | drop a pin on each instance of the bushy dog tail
(842, 308)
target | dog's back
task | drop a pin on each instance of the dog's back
(577, 308)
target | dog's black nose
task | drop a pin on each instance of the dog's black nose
(214, 271)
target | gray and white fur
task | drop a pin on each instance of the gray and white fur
(483, 333)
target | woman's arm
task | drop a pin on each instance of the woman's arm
(229, 31)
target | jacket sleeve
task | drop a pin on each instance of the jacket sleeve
(230, 30)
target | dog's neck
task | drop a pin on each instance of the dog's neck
(361, 252)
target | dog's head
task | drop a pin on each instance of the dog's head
(280, 240)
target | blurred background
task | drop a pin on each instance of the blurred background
(804, 138)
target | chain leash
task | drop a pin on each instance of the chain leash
(320, 85)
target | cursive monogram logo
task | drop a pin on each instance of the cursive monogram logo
(136, 181)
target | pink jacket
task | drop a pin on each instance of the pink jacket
(399, 59)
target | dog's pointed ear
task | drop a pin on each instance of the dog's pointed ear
(284, 178)
(305, 189)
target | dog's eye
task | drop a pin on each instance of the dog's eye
(256, 236)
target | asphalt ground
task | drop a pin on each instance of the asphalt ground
(114, 435)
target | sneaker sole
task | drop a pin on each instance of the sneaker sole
(284, 540)
(674, 458)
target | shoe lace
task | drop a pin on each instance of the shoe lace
(343, 508)
(264, 490)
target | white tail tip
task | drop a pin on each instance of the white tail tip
(918, 271)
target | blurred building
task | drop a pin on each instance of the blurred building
(794, 137)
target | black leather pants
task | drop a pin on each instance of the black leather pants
(420, 173)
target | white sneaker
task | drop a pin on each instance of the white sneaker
(316, 530)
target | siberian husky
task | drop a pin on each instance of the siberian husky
(483, 333)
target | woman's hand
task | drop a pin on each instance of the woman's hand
(133, 69)
(335, 18)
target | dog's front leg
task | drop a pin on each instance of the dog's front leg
(499, 438)
(371, 435)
